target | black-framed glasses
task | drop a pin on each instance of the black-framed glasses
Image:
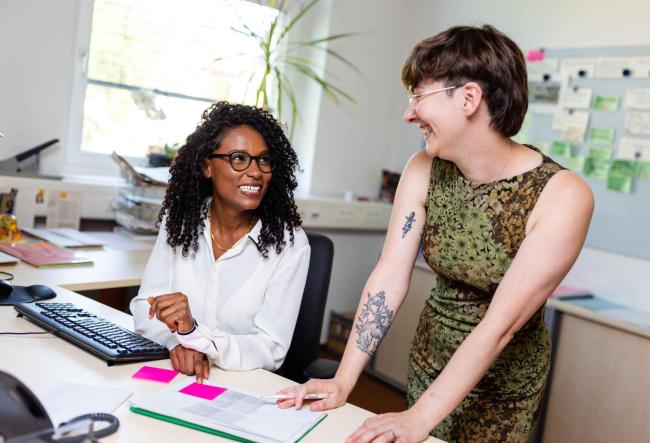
(240, 160)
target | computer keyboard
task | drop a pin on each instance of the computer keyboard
(99, 336)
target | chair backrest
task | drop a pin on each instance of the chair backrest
(306, 337)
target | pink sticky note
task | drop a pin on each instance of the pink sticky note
(203, 391)
(535, 55)
(155, 374)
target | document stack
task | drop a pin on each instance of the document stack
(140, 196)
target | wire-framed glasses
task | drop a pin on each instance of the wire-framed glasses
(414, 99)
(240, 160)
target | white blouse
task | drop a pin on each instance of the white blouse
(245, 306)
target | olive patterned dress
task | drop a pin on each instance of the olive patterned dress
(471, 235)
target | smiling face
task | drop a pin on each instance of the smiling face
(440, 117)
(239, 190)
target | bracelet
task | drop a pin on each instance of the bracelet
(194, 326)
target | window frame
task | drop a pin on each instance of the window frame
(78, 161)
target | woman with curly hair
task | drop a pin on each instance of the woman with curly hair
(225, 278)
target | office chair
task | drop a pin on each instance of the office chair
(306, 337)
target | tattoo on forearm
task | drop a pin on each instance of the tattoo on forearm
(408, 224)
(373, 323)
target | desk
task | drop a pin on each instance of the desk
(600, 387)
(110, 269)
(43, 361)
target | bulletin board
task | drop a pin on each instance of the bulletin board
(621, 221)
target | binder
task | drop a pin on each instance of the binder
(232, 414)
(212, 431)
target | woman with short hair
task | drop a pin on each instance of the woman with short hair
(500, 223)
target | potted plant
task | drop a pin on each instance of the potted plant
(279, 56)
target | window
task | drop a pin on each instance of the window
(152, 69)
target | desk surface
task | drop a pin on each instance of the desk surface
(587, 314)
(43, 361)
(111, 268)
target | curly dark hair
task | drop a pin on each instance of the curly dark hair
(186, 202)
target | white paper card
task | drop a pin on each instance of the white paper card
(536, 70)
(68, 400)
(637, 122)
(576, 121)
(633, 149)
(637, 98)
(6, 259)
(612, 66)
(641, 67)
(571, 67)
(577, 98)
(63, 210)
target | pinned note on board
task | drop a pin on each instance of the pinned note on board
(535, 55)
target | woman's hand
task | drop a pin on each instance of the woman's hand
(173, 310)
(402, 427)
(336, 389)
(190, 362)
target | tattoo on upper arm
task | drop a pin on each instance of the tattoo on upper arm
(373, 323)
(408, 224)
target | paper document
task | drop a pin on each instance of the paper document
(119, 242)
(577, 98)
(65, 237)
(641, 67)
(638, 98)
(634, 149)
(6, 259)
(578, 67)
(637, 122)
(613, 67)
(548, 66)
(69, 400)
(232, 412)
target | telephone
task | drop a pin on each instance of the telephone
(24, 419)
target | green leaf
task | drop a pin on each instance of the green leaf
(343, 60)
(329, 88)
(329, 38)
(279, 100)
(302, 60)
(298, 16)
(248, 33)
(294, 104)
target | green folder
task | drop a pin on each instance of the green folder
(187, 424)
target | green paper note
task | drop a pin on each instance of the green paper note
(601, 136)
(597, 163)
(621, 175)
(643, 169)
(600, 153)
(607, 103)
(559, 147)
(575, 163)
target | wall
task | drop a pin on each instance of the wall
(352, 143)
(577, 23)
(37, 53)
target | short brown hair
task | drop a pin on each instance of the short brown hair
(484, 55)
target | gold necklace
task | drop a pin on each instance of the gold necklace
(250, 227)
